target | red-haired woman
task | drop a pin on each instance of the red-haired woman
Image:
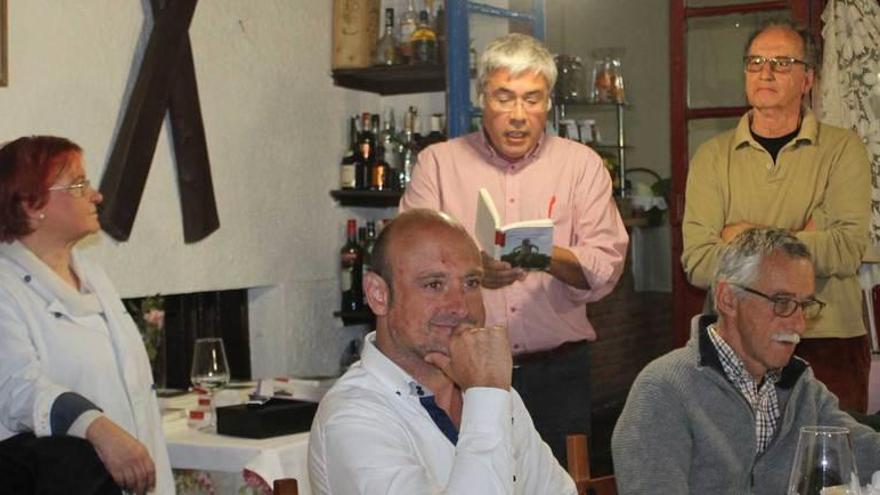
(72, 363)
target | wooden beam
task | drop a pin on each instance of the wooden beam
(197, 203)
(123, 182)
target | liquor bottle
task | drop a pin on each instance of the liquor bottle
(436, 135)
(388, 137)
(362, 241)
(351, 270)
(408, 151)
(366, 148)
(418, 138)
(376, 159)
(409, 22)
(367, 244)
(348, 167)
(440, 31)
(379, 171)
(424, 42)
(388, 49)
(391, 146)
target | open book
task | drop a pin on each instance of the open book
(527, 244)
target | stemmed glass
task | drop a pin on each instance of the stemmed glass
(824, 463)
(210, 370)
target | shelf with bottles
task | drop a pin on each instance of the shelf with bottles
(378, 162)
(354, 258)
(407, 58)
(585, 131)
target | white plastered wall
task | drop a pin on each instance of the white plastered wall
(275, 128)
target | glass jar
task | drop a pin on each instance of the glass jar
(607, 76)
(571, 82)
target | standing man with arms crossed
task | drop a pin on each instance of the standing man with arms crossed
(531, 175)
(780, 167)
(429, 408)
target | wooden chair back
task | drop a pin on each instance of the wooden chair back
(285, 486)
(578, 452)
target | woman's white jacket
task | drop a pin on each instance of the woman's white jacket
(54, 340)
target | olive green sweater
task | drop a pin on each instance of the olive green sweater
(823, 174)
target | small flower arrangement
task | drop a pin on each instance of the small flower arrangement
(193, 481)
(150, 320)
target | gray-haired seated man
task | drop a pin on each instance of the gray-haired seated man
(723, 414)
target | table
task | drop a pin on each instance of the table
(270, 458)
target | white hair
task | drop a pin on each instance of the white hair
(740, 261)
(518, 54)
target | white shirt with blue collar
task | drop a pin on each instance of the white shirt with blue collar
(372, 435)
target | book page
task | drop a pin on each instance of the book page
(487, 223)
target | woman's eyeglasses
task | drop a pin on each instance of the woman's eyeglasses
(77, 189)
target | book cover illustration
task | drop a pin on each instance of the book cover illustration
(528, 248)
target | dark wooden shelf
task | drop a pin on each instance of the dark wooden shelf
(393, 80)
(356, 317)
(371, 199)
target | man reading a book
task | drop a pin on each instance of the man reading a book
(430, 407)
(532, 175)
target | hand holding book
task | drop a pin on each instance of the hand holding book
(497, 274)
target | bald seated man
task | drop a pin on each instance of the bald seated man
(429, 408)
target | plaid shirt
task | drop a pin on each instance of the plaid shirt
(762, 398)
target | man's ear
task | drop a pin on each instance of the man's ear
(726, 300)
(378, 293)
(809, 79)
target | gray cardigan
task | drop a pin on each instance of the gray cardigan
(686, 429)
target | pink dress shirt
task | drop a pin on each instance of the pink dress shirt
(540, 312)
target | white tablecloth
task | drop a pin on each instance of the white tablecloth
(270, 458)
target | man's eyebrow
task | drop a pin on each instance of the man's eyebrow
(791, 295)
(782, 293)
(424, 275)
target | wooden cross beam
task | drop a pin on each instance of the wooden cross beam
(165, 81)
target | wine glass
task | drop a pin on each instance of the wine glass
(824, 463)
(210, 370)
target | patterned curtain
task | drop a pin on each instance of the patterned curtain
(850, 80)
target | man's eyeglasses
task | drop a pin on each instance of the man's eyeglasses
(77, 189)
(755, 63)
(503, 101)
(784, 306)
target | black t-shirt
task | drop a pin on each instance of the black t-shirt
(773, 145)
